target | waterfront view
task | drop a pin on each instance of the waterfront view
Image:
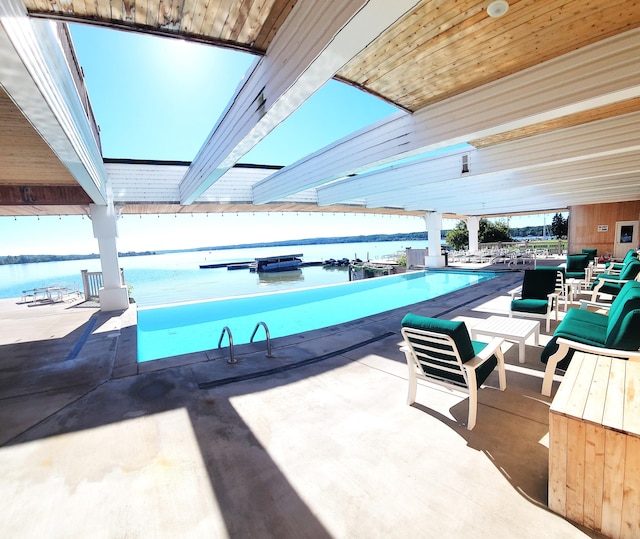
(177, 277)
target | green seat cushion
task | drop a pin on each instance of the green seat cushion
(623, 329)
(624, 333)
(584, 316)
(611, 288)
(630, 270)
(538, 284)
(535, 306)
(584, 332)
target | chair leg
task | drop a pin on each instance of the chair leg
(473, 407)
(411, 396)
(502, 375)
(473, 399)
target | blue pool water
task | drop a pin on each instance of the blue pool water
(194, 327)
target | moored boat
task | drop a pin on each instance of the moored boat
(277, 263)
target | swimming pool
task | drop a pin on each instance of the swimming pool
(193, 327)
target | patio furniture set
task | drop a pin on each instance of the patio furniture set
(594, 419)
(48, 294)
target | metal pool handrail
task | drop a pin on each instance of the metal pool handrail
(226, 330)
(266, 330)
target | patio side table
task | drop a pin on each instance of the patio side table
(515, 330)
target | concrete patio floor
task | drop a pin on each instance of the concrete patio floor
(94, 445)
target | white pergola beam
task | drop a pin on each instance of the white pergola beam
(603, 73)
(287, 76)
(599, 139)
(568, 192)
(605, 172)
(35, 74)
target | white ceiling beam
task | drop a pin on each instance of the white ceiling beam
(316, 40)
(529, 198)
(603, 73)
(603, 138)
(35, 74)
(592, 169)
(541, 204)
(604, 171)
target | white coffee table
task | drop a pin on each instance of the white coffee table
(510, 329)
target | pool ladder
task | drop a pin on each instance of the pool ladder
(232, 358)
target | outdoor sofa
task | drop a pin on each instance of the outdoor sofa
(615, 334)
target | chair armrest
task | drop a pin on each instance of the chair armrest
(515, 292)
(596, 350)
(485, 353)
(614, 280)
(585, 304)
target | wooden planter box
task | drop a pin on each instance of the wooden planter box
(594, 445)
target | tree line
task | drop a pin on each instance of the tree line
(499, 231)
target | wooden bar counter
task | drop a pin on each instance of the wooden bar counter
(594, 445)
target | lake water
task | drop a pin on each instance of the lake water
(177, 277)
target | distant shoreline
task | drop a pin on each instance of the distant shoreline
(373, 238)
(524, 232)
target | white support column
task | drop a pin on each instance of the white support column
(113, 294)
(434, 258)
(473, 226)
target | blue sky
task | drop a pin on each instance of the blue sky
(158, 98)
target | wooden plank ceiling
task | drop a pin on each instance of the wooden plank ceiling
(245, 24)
(440, 49)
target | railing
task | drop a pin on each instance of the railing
(92, 283)
(266, 330)
(232, 358)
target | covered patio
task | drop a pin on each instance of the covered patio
(329, 449)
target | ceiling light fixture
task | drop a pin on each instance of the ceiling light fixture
(497, 8)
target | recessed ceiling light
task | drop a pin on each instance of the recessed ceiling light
(497, 8)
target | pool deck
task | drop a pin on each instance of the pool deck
(94, 445)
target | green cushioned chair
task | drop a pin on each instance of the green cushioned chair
(538, 296)
(441, 352)
(617, 266)
(612, 284)
(576, 266)
(616, 334)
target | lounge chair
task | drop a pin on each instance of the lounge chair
(538, 296)
(614, 334)
(441, 352)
